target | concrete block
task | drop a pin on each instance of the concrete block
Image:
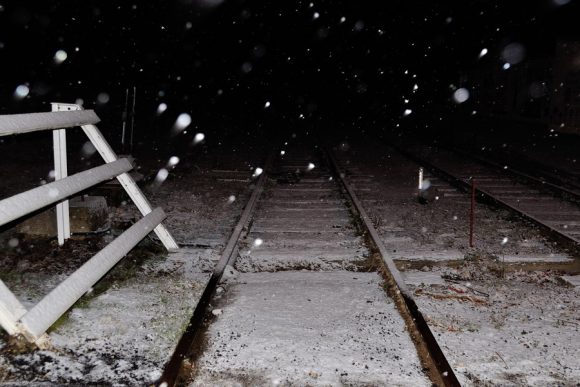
(87, 214)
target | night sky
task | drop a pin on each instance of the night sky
(321, 65)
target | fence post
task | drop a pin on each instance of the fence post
(472, 212)
(60, 172)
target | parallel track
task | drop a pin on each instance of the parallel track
(548, 205)
(307, 225)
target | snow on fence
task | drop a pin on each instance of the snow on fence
(32, 324)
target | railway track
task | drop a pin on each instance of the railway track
(563, 183)
(309, 294)
(551, 206)
(551, 169)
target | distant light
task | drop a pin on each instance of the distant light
(267, 104)
(161, 108)
(21, 92)
(60, 56)
(506, 66)
(407, 112)
(461, 95)
(482, 53)
(199, 137)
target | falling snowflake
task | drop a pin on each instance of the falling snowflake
(161, 176)
(258, 171)
(407, 112)
(13, 242)
(173, 161)
(182, 122)
(161, 108)
(60, 56)
(199, 137)
(103, 98)
(461, 95)
(21, 92)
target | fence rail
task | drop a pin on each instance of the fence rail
(34, 122)
(32, 324)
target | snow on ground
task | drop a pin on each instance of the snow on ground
(309, 328)
(496, 328)
(525, 333)
(126, 333)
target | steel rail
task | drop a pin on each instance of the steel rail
(465, 185)
(558, 189)
(446, 373)
(171, 373)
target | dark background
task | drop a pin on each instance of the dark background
(221, 61)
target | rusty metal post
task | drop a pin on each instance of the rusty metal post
(472, 212)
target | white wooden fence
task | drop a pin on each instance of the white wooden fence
(32, 324)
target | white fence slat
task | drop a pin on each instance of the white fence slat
(10, 310)
(60, 172)
(129, 184)
(32, 122)
(24, 203)
(60, 299)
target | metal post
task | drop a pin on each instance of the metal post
(133, 118)
(125, 113)
(472, 212)
(60, 172)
